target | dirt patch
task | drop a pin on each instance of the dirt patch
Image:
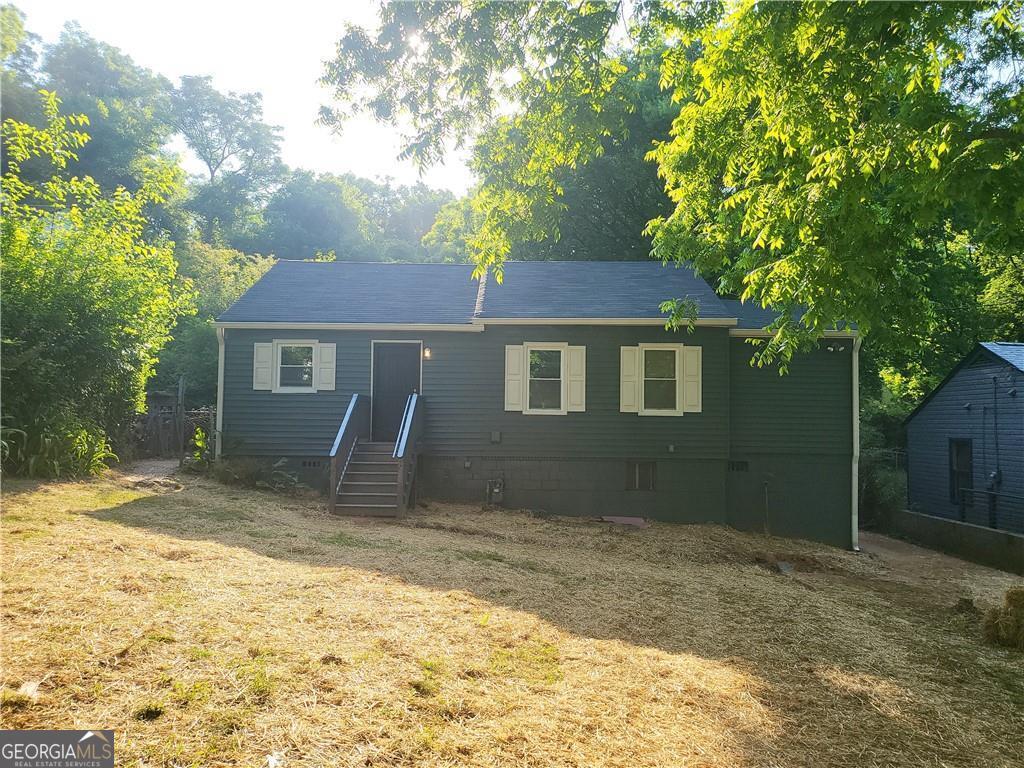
(154, 475)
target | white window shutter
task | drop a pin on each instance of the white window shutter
(691, 379)
(263, 366)
(326, 367)
(514, 377)
(577, 375)
(629, 388)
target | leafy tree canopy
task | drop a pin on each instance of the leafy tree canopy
(88, 299)
(823, 159)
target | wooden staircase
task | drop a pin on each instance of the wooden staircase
(369, 485)
(376, 479)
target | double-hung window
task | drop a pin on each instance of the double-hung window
(660, 367)
(660, 379)
(545, 378)
(545, 371)
(295, 366)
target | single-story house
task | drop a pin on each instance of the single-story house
(965, 441)
(559, 390)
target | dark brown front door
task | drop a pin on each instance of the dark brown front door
(396, 375)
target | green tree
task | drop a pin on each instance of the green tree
(821, 153)
(127, 106)
(88, 300)
(312, 214)
(603, 206)
(19, 75)
(240, 151)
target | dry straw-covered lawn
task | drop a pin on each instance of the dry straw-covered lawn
(215, 626)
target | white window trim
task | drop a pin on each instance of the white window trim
(641, 380)
(276, 374)
(558, 346)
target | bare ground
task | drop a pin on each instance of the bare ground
(211, 625)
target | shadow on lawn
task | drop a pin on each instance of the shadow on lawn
(832, 654)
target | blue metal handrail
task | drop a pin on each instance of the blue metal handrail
(356, 424)
(344, 425)
(402, 441)
(407, 449)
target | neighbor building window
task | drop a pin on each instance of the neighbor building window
(295, 366)
(961, 471)
(544, 379)
(660, 369)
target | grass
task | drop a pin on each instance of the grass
(215, 626)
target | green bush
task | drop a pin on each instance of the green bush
(89, 298)
(883, 484)
(47, 450)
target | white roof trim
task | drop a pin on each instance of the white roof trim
(465, 327)
(761, 333)
(721, 322)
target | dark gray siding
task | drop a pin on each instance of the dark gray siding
(687, 490)
(791, 444)
(463, 388)
(945, 417)
(792, 435)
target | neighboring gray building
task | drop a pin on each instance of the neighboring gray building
(558, 389)
(965, 441)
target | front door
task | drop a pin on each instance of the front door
(396, 375)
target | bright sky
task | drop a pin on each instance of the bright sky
(276, 49)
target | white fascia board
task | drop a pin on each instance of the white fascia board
(760, 333)
(721, 322)
(466, 327)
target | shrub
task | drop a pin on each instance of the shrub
(1004, 625)
(89, 298)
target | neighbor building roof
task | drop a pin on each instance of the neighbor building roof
(1010, 351)
(1007, 351)
(374, 293)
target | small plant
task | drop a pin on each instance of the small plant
(427, 684)
(149, 710)
(256, 473)
(1004, 625)
(67, 449)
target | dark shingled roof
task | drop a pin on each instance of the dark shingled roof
(350, 292)
(749, 315)
(752, 316)
(1011, 352)
(594, 289)
(353, 292)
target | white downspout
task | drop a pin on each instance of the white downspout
(220, 393)
(855, 466)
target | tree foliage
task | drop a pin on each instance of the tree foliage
(823, 157)
(88, 299)
(219, 276)
(240, 151)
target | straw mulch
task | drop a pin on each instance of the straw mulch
(215, 626)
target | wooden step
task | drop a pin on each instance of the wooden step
(372, 456)
(367, 510)
(362, 486)
(356, 465)
(368, 497)
(382, 447)
(356, 476)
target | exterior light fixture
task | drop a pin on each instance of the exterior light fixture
(426, 353)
